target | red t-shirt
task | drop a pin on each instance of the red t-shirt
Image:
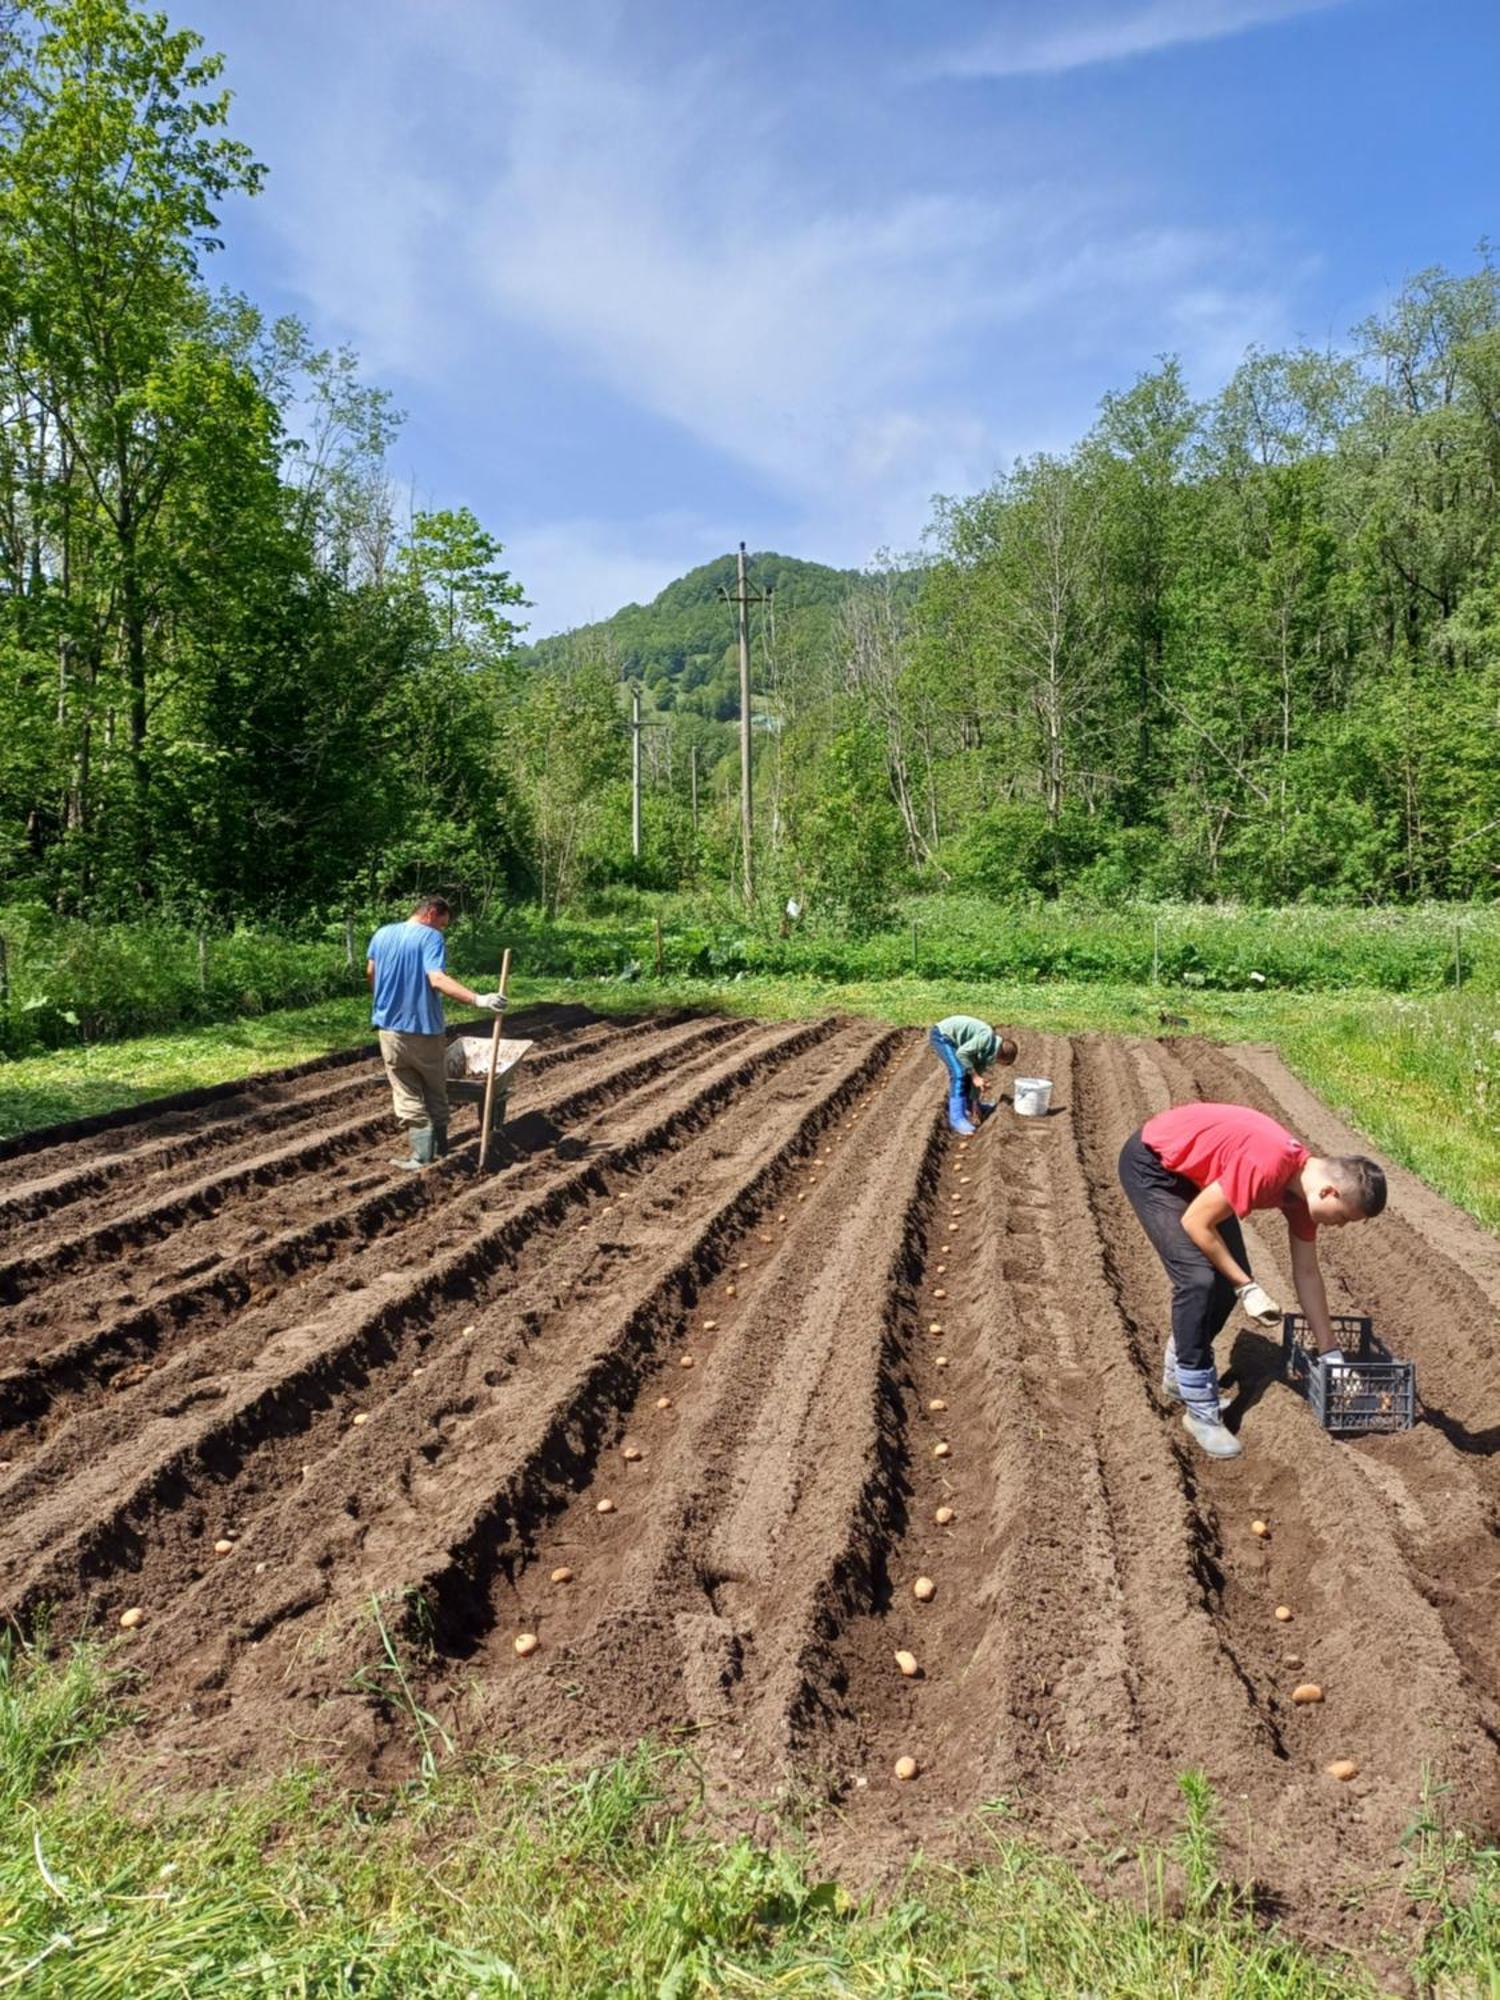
(1252, 1158)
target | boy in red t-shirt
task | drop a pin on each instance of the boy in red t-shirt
(1190, 1174)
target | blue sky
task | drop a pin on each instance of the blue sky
(649, 278)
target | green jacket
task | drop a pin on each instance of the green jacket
(975, 1043)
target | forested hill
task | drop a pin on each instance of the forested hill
(682, 644)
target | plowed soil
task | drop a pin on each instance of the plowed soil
(666, 1388)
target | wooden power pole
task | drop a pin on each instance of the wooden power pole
(635, 770)
(635, 726)
(743, 599)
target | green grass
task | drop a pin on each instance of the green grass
(506, 1878)
(71, 1083)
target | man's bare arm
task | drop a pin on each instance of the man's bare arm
(1201, 1219)
(441, 983)
(370, 972)
(1312, 1295)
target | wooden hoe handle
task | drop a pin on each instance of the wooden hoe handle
(489, 1082)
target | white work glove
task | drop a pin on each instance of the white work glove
(492, 1003)
(1258, 1304)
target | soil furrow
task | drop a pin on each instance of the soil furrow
(249, 1135)
(1363, 1627)
(487, 1440)
(752, 1486)
(215, 1288)
(260, 1178)
(1026, 1655)
(261, 1263)
(278, 1393)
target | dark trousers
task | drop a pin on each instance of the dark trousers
(1202, 1298)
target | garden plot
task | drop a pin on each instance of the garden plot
(736, 1348)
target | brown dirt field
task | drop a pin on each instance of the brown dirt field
(198, 1300)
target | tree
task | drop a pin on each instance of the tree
(113, 165)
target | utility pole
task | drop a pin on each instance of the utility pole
(694, 755)
(636, 726)
(635, 769)
(743, 599)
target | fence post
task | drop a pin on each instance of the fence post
(1156, 951)
(1458, 959)
(914, 946)
(658, 944)
(349, 942)
(4, 970)
(202, 963)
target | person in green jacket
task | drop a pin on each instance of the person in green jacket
(967, 1048)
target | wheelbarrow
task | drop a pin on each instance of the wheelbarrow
(471, 1060)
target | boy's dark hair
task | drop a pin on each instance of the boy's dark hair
(1362, 1181)
(1007, 1050)
(432, 906)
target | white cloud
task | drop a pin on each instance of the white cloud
(1055, 41)
(820, 348)
(473, 193)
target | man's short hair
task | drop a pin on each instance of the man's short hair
(1007, 1050)
(1361, 1182)
(432, 906)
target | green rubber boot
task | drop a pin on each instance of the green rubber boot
(423, 1142)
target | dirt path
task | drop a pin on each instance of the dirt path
(681, 1389)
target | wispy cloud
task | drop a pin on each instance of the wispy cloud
(1054, 39)
(823, 345)
(821, 342)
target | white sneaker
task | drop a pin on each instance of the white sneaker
(1216, 1439)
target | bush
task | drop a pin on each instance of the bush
(71, 981)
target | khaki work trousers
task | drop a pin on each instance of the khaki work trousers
(419, 1084)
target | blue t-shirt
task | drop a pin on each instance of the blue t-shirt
(403, 955)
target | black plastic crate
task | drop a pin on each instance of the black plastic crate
(1371, 1392)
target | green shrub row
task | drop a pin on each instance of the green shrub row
(1189, 946)
(69, 981)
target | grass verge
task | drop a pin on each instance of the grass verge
(530, 1880)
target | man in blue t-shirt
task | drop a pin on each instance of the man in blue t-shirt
(406, 965)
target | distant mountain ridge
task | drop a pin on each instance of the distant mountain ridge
(682, 644)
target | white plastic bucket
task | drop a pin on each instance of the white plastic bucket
(1033, 1095)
